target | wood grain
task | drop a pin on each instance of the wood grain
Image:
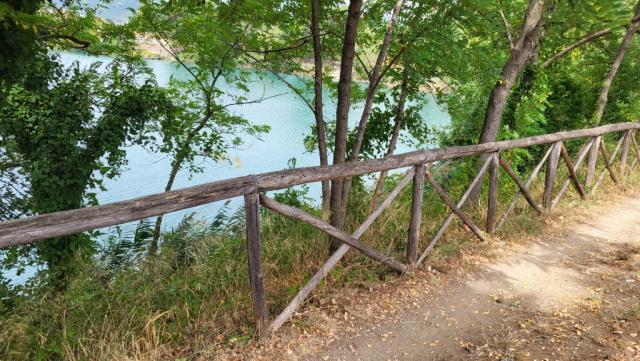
(333, 260)
(492, 201)
(256, 278)
(572, 171)
(416, 214)
(332, 231)
(451, 215)
(581, 155)
(550, 175)
(593, 161)
(445, 198)
(532, 178)
(523, 188)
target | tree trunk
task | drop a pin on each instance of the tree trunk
(402, 99)
(604, 93)
(525, 49)
(153, 246)
(342, 110)
(317, 101)
(374, 81)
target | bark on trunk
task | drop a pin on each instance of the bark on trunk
(402, 99)
(317, 86)
(374, 81)
(524, 50)
(342, 110)
(153, 246)
(604, 93)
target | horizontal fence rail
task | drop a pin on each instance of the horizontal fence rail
(27, 230)
(420, 173)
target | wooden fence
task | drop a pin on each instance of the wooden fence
(419, 163)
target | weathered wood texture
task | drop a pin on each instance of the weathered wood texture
(608, 161)
(593, 161)
(332, 231)
(416, 214)
(625, 153)
(572, 171)
(532, 177)
(492, 202)
(520, 184)
(23, 231)
(288, 178)
(635, 146)
(550, 175)
(256, 278)
(451, 215)
(581, 155)
(445, 198)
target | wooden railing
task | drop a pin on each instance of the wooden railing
(28, 230)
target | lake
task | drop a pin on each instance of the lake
(287, 115)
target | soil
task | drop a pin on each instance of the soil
(572, 293)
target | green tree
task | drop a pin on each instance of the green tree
(68, 135)
(211, 54)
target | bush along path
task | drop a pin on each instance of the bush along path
(570, 293)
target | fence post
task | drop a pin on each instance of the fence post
(492, 205)
(256, 278)
(593, 160)
(550, 176)
(416, 214)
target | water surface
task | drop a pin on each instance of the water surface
(287, 115)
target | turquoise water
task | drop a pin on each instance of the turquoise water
(290, 121)
(289, 118)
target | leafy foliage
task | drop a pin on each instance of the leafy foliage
(69, 134)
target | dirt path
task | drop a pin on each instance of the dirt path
(542, 302)
(572, 294)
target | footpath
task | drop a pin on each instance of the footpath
(572, 293)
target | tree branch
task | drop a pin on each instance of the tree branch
(586, 39)
(589, 38)
(285, 81)
(302, 41)
(77, 43)
(506, 25)
(364, 66)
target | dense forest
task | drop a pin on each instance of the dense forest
(502, 69)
